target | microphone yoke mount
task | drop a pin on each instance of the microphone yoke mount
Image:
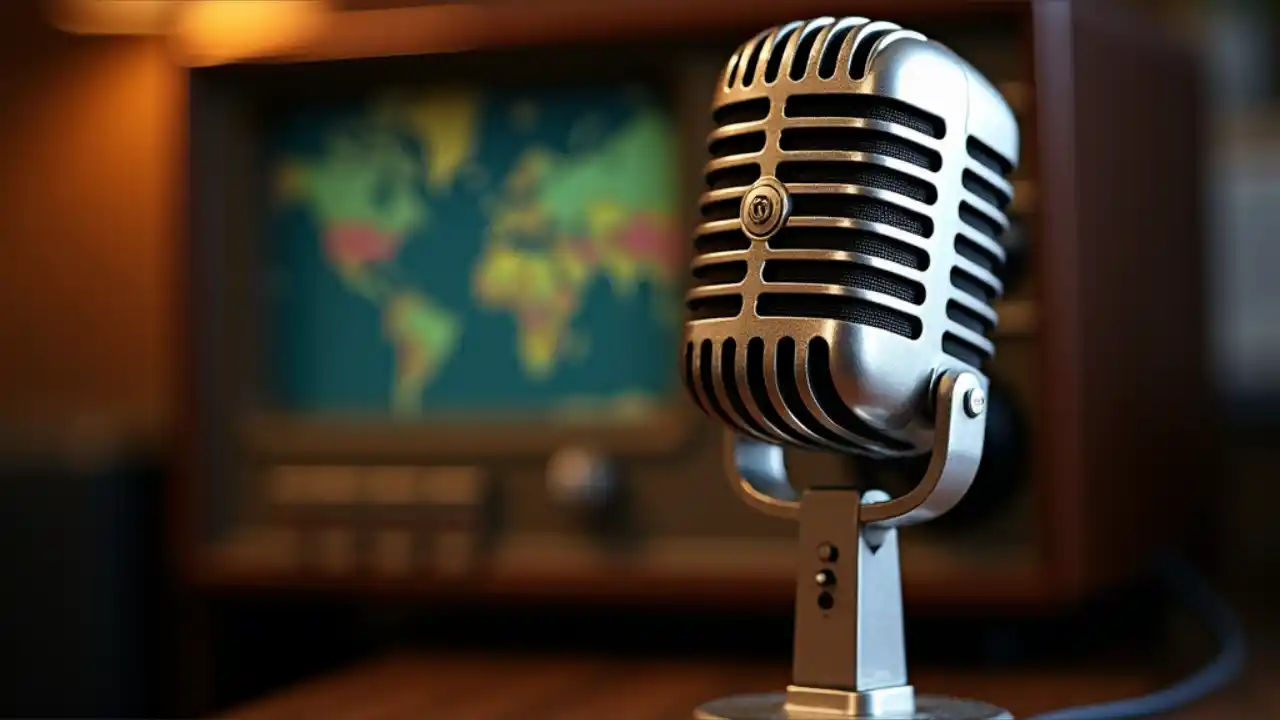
(849, 657)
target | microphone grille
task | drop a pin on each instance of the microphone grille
(882, 202)
(983, 220)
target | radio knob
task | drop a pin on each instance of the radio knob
(581, 478)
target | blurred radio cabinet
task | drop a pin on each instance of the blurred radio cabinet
(1098, 381)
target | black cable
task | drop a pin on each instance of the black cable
(1222, 671)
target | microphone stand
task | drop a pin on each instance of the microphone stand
(849, 656)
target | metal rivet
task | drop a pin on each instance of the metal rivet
(975, 402)
(765, 208)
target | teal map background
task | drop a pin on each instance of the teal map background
(459, 250)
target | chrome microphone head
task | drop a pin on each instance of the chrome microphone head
(848, 253)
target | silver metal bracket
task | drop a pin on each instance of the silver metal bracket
(849, 655)
(758, 471)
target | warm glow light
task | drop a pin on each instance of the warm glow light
(209, 32)
(112, 17)
(202, 32)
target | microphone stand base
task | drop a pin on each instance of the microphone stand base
(773, 706)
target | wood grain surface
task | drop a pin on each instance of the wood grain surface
(413, 687)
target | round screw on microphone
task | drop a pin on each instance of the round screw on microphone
(975, 402)
(825, 578)
(828, 552)
(765, 208)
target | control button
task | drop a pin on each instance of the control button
(828, 552)
(581, 478)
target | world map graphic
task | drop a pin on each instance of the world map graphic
(459, 250)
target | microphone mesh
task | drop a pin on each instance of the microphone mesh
(858, 215)
(745, 147)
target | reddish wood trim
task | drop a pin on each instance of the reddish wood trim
(1016, 591)
(184, 509)
(1056, 265)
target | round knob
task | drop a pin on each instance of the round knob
(975, 402)
(580, 477)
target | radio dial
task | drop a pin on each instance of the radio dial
(581, 478)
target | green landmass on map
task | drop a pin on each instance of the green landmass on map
(557, 223)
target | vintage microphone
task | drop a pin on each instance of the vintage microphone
(845, 269)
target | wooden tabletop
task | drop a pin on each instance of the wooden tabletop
(418, 686)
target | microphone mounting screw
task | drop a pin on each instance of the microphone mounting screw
(765, 208)
(975, 402)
